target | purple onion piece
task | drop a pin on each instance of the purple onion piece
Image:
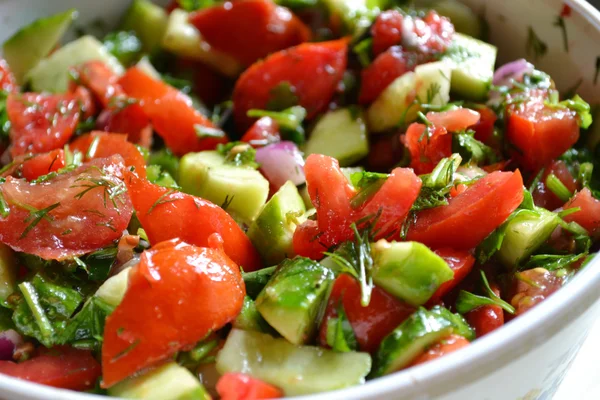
(9, 340)
(281, 162)
(512, 70)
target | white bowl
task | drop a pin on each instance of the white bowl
(526, 359)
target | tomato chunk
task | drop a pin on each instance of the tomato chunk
(312, 70)
(370, 324)
(544, 197)
(70, 215)
(7, 79)
(540, 132)
(589, 216)
(532, 287)
(471, 216)
(107, 144)
(61, 367)
(170, 112)
(176, 295)
(244, 387)
(484, 128)
(427, 146)
(42, 164)
(41, 122)
(167, 214)
(255, 28)
(454, 120)
(461, 262)
(438, 350)
(263, 132)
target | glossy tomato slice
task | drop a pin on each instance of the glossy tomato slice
(589, 215)
(461, 262)
(544, 197)
(171, 113)
(70, 215)
(371, 323)
(103, 144)
(263, 132)
(176, 295)
(427, 146)
(484, 128)
(41, 122)
(62, 367)
(167, 214)
(440, 349)
(471, 216)
(244, 387)
(101, 80)
(255, 29)
(312, 71)
(455, 120)
(42, 164)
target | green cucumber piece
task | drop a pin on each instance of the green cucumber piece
(249, 319)
(167, 382)
(52, 74)
(399, 102)
(355, 15)
(30, 44)
(255, 281)
(273, 230)
(113, 289)
(472, 63)
(146, 66)
(411, 338)
(8, 271)
(341, 134)
(295, 297)
(525, 233)
(183, 39)
(148, 21)
(206, 175)
(297, 370)
(408, 270)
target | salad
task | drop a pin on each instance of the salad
(257, 199)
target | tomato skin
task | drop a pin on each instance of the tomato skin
(388, 66)
(101, 80)
(162, 311)
(255, 28)
(461, 262)
(426, 153)
(387, 31)
(263, 132)
(445, 346)
(170, 112)
(42, 164)
(61, 367)
(484, 128)
(540, 132)
(370, 324)
(7, 79)
(471, 216)
(109, 144)
(589, 215)
(313, 70)
(485, 319)
(70, 229)
(41, 122)
(232, 386)
(542, 196)
(171, 219)
(454, 120)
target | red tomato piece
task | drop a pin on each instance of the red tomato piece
(170, 112)
(255, 28)
(263, 132)
(244, 387)
(313, 71)
(371, 323)
(306, 241)
(53, 220)
(41, 122)
(484, 128)
(471, 216)
(384, 70)
(387, 31)
(461, 262)
(589, 215)
(485, 319)
(42, 164)
(109, 144)
(458, 189)
(61, 367)
(7, 79)
(533, 286)
(427, 146)
(166, 214)
(438, 350)
(454, 120)
(101, 80)
(540, 132)
(542, 196)
(176, 295)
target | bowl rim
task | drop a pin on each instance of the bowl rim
(455, 370)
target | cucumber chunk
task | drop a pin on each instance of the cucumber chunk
(472, 64)
(148, 21)
(52, 74)
(295, 297)
(249, 319)
(399, 102)
(341, 134)
(8, 271)
(411, 338)
(255, 281)
(526, 233)
(30, 44)
(297, 370)
(183, 39)
(355, 15)
(113, 289)
(167, 382)
(273, 230)
(408, 270)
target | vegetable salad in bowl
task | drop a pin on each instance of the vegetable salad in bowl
(257, 199)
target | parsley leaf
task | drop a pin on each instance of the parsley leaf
(468, 301)
(86, 329)
(553, 262)
(368, 184)
(282, 96)
(472, 149)
(126, 46)
(239, 154)
(340, 335)
(289, 120)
